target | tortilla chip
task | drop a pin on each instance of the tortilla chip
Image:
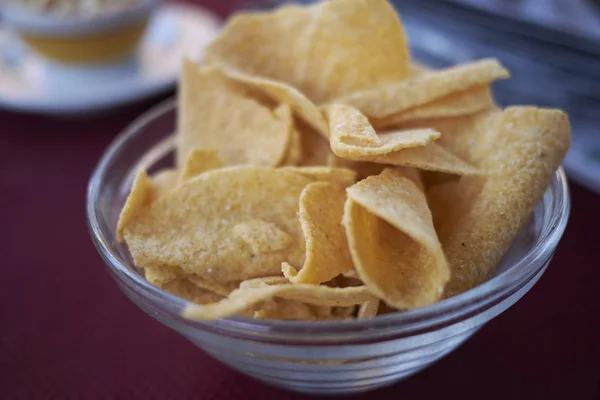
(262, 236)
(286, 94)
(477, 218)
(315, 148)
(265, 281)
(432, 157)
(187, 290)
(393, 98)
(324, 50)
(342, 176)
(242, 299)
(160, 276)
(199, 161)
(368, 309)
(362, 169)
(352, 136)
(212, 115)
(293, 153)
(456, 104)
(192, 227)
(392, 240)
(291, 310)
(222, 289)
(327, 254)
(141, 195)
(164, 181)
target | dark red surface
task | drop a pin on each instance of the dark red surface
(67, 332)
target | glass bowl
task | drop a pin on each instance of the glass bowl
(314, 357)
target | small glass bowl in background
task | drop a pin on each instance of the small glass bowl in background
(314, 357)
(74, 39)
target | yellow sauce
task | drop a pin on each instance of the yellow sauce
(88, 49)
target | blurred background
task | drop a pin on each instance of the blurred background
(65, 329)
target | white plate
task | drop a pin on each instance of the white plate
(30, 84)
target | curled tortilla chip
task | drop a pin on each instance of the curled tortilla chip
(327, 254)
(368, 309)
(477, 218)
(164, 181)
(341, 176)
(212, 115)
(285, 94)
(262, 236)
(456, 104)
(292, 310)
(410, 148)
(192, 227)
(362, 169)
(392, 240)
(293, 153)
(265, 281)
(393, 98)
(324, 50)
(161, 276)
(199, 161)
(432, 157)
(187, 290)
(222, 289)
(315, 148)
(141, 195)
(352, 136)
(242, 299)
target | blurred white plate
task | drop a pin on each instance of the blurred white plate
(30, 84)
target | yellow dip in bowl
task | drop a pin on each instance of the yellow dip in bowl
(80, 32)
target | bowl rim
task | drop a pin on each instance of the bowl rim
(437, 315)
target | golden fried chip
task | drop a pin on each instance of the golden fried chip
(456, 104)
(432, 157)
(199, 161)
(164, 181)
(161, 276)
(289, 310)
(262, 236)
(293, 153)
(411, 148)
(399, 96)
(392, 240)
(368, 309)
(222, 289)
(315, 148)
(477, 218)
(327, 254)
(242, 299)
(265, 281)
(141, 195)
(192, 227)
(341, 176)
(286, 94)
(324, 50)
(362, 169)
(212, 115)
(187, 290)
(352, 136)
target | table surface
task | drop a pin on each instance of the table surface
(67, 332)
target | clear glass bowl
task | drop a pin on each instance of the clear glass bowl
(314, 357)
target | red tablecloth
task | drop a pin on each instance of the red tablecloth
(67, 332)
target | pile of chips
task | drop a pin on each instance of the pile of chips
(322, 174)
